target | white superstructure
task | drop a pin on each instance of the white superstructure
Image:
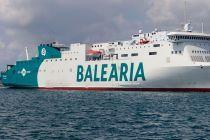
(169, 60)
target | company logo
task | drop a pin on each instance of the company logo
(43, 52)
(110, 72)
(24, 72)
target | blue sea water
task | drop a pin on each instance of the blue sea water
(38, 114)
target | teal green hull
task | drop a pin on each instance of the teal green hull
(24, 73)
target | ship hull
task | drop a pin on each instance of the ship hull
(166, 78)
(150, 77)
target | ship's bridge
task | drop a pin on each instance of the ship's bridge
(60, 47)
(188, 37)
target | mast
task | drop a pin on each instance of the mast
(27, 53)
(187, 25)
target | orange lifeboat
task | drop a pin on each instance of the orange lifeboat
(144, 41)
(93, 53)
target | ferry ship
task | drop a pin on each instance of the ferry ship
(156, 61)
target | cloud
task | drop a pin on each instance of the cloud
(2, 45)
(160, 11)
(15, 11)
(170, 13)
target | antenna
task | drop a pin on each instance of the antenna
(27, 53)
(185, 10)
(187, 25)
(202, 25)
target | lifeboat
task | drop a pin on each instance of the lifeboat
(144, 41)
(93, 53)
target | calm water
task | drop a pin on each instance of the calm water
(34, 114)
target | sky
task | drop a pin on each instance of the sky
(27, 23)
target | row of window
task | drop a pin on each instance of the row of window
(110, 44)
(96, 46)
(70, 52)
(156, 46)
(207, 58)
(60, 59)
(136, 54)
(203, 52)
(121, 44)
(131, 48)
(200, 58)
(44, 70)
(176, 52)
(189, 37)
(197, 59)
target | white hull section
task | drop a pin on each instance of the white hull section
(64, 74)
